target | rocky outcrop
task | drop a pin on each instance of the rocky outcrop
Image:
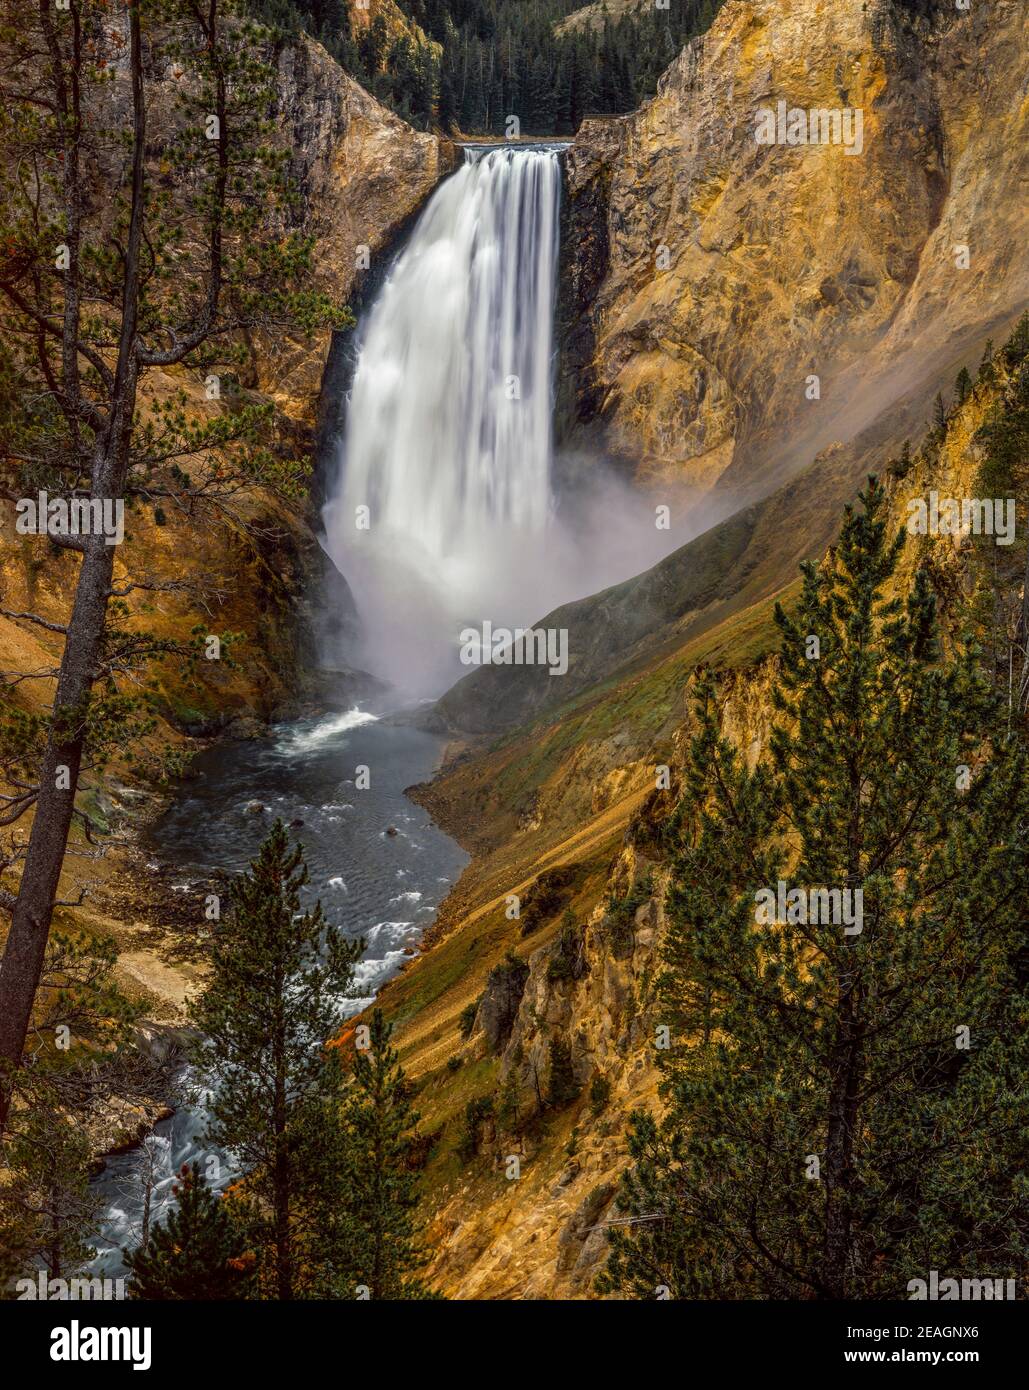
(361, 172)
(543, 1236)
(602, 12)
(501, 1000)
(711, 284)
(395, 23)
(727, 273)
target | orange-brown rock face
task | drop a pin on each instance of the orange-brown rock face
(726, 273)
(362, 171)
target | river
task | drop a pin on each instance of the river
(373, 884)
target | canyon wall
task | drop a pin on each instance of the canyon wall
(711, 276)
(562, 812)
(708, 281)
(780, 263)
(360, 173)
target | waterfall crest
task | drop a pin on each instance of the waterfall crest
(447, 442)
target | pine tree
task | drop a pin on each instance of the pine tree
(80, 1053)
(540, 101)
(1001, 600)
(424, 93)
(473, 105)
(48, 1214)
(583, 94)
(447, 113)
(199, 1252)
(844, 1108)
(1016, 349)
(373, 45)
(562, 1087)
(85, 179)
(276, 975)
(902, 466)
(962, 386)
(509, 1103)
(496, 113)
(365, 1213)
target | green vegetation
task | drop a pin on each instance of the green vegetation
(364, 1208)
(505, 59)
(327, 1200)
(548, 894)
(1004, 435)
(494, 59)
(466, 1018)
(845, 1109)
(199, 1252)
(1003, 442)
(276, 972)
(620, 914)
(476, 1112)
(562, 1087)
(600, 1095)
(80, 1046)
(509, 1103)
(566, 963)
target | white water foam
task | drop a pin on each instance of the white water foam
(448, 434)
(304, 740)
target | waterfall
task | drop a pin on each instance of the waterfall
(443, 494)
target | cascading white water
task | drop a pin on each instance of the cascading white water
(448, 430)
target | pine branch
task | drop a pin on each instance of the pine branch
(35, 618)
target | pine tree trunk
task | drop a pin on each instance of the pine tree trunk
(378, 1204)
(839, 1166)
(281, 1173)
(30, 921)
(33, 910)
(283, 1250)
(845, 1064)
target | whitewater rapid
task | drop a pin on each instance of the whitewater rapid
(382, 887)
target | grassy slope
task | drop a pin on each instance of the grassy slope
(711, 582)
(567, 786)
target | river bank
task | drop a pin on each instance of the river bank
(377, 862)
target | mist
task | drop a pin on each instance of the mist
(598, 531)
(449, 508)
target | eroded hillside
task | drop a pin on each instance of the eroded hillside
(710, 276)
(564, 814)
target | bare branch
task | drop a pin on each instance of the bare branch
(17, 808)
(35, 618)
(73, 902)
